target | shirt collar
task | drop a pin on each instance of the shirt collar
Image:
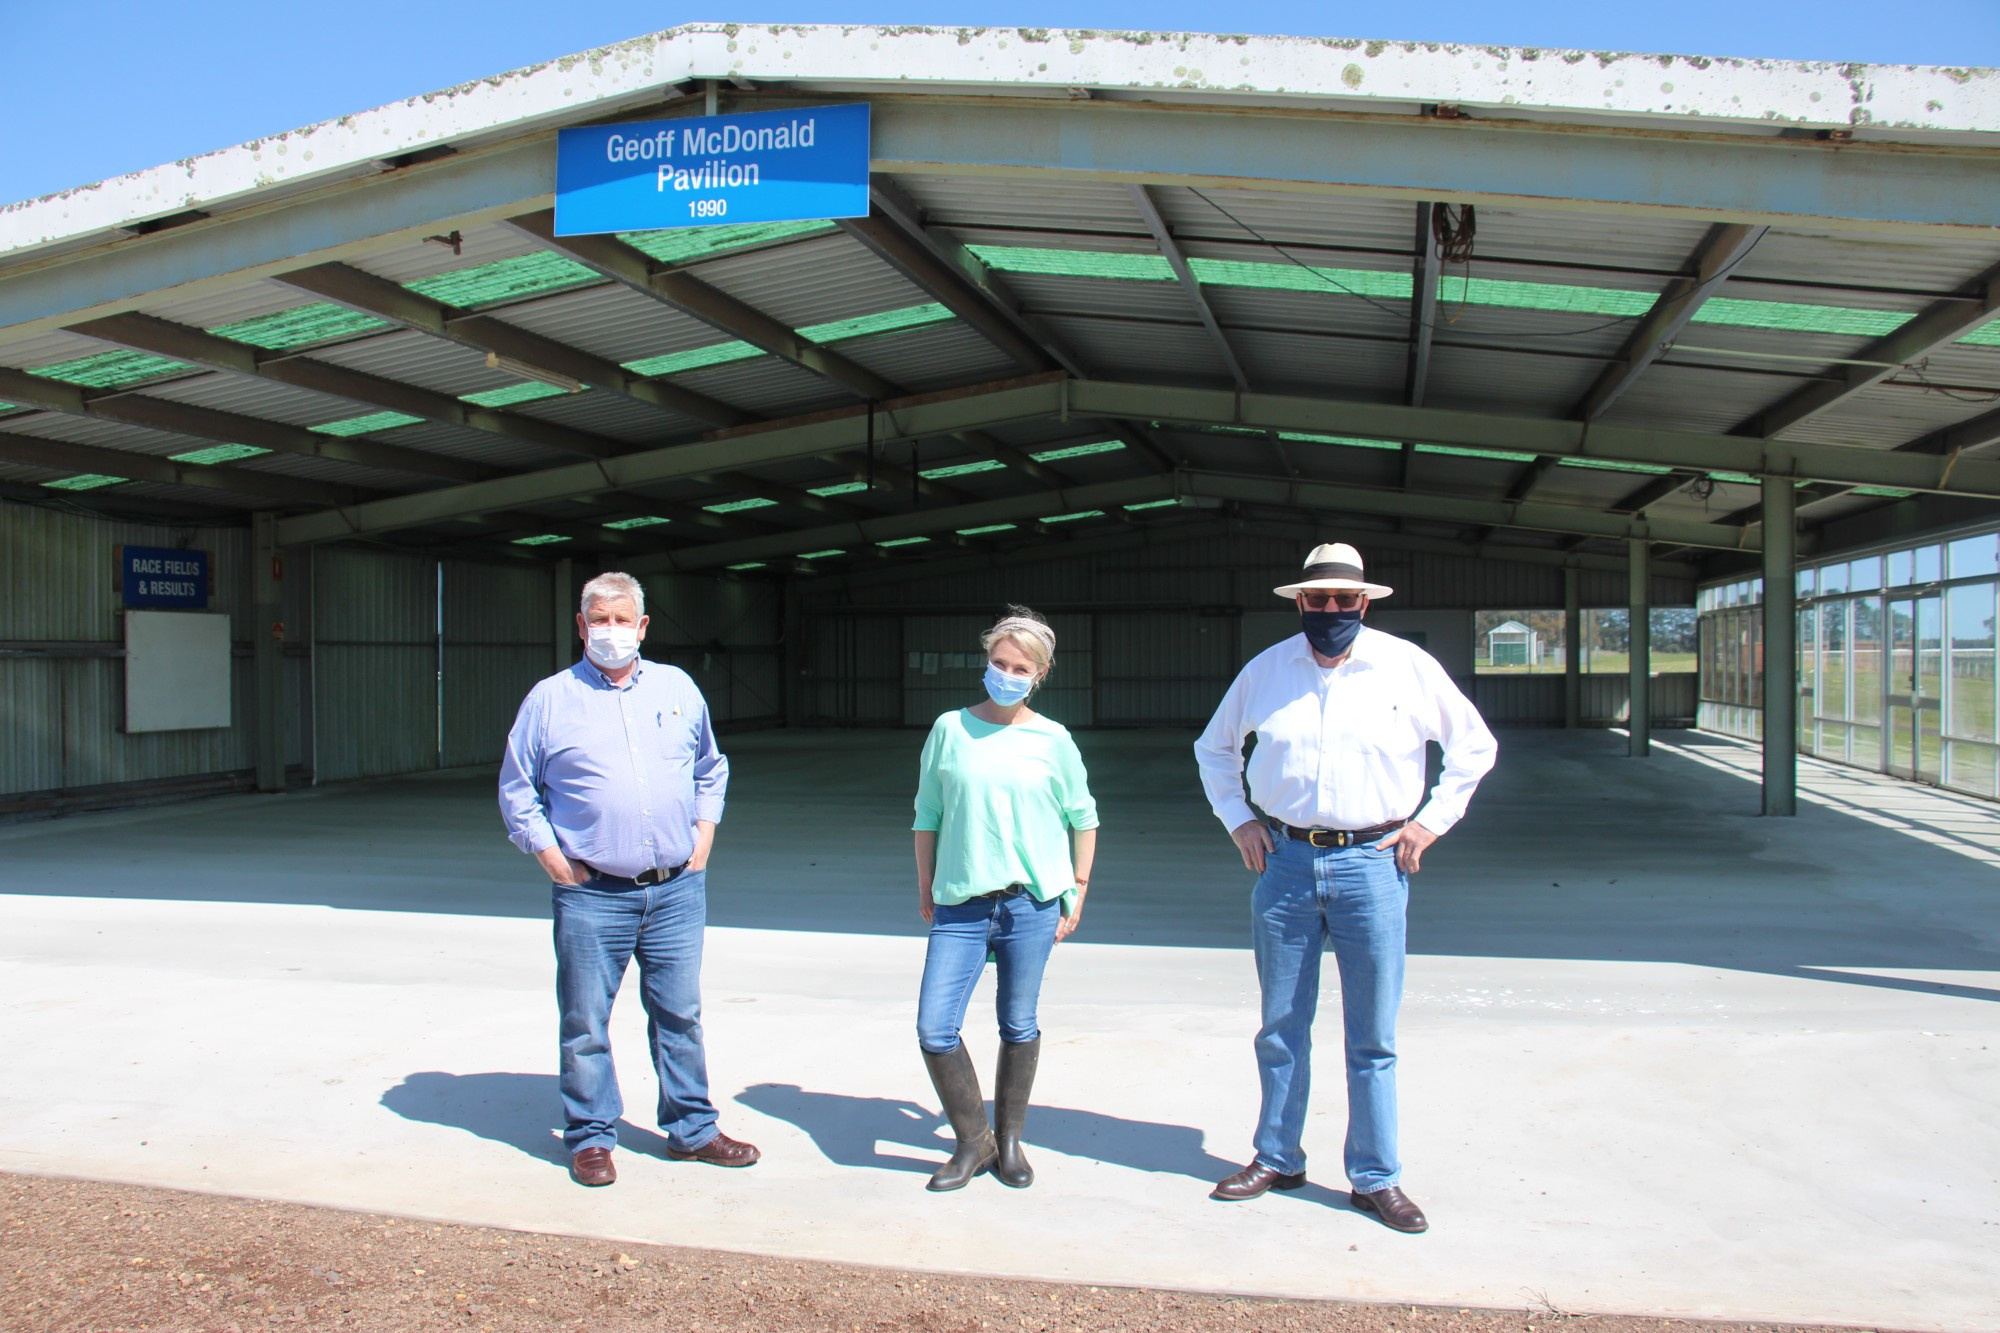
(594, 674)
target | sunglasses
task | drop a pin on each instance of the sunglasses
(1346, 601)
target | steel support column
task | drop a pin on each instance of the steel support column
(1573, 642)
(267, 639)
(1781, 666)
(1638, 642)
(563, 576)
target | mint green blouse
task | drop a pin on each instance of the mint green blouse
(1002, 800)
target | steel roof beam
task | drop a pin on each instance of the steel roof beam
(281, 490)
(165, 414)
(1045, 397)
(145, 333)
(1937, 327)
(1217, 485)
(814, 435)
(383, 299)
(1170, 249)
(715, 307)
(894, 209)
(1423, 323)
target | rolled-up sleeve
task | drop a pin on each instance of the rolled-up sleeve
(1078, 805)
(711, 774)
(521, 805)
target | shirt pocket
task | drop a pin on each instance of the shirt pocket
(679, 735)
(1386, 727)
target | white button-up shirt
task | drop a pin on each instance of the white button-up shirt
(1343, 747)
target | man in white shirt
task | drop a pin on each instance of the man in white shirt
(1342, 716)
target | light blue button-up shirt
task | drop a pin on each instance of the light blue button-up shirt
(615, 777)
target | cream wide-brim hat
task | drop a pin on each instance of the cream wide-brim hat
(1333, 566)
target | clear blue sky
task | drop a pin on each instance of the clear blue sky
(96, 90)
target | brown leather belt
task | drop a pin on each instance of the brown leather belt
(1331, 837)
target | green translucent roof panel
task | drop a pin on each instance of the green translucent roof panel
(1742, 478)
(301, 326)
(1346, 441)
(220, 453)
(738, 506)
(688, 245)
(1070, 518)
(505, 280)
(1796, 317)
(1455, 451)
(904, 541)
(374, 421)
(1302, 278)
(1153, 504)
(962, 469)
(990, 527)
(840, 488)
(1456, 289)
(699, 358)
(87, 481)
(1988, 336)
(544, 539)
(112, 370)
(749, 564)
(1075, 263)
(527, 391)
(888, 321)
(8, 407)
(1883, 492)
(1077, 451)
(642, 521)
(1611, 465)
(821, 555)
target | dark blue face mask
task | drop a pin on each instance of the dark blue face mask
(1331, 633)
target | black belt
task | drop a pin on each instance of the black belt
(1007, 892)
(645, 878)
(1331, 837)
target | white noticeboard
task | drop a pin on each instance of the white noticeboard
(176, 670)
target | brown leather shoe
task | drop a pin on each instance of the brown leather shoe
(1253, 1180)
(592, 1166)
(718, 1151)
(1394, 1208)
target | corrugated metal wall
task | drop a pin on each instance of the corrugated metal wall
(1163, 630)
(1537, 701)
(943, 664)
(499, 634)
(62, 683)
(727, 636)
(375, 663)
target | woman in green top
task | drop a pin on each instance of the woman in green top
(1005, 830)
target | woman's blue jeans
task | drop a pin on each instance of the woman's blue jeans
(1354, 899)
(600, 926)
(1019, 931)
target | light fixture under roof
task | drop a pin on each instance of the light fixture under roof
(495, 361)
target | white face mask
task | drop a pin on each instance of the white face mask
(612, 646)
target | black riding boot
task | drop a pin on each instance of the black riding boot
(957, 1085)
(1010, 1109)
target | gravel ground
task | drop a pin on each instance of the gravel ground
(83, 1255)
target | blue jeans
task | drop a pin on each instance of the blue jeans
(1019, 931)
(1353, 898)
(600, 925)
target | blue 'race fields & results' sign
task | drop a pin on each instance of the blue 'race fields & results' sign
(156, 576)
(766, 166)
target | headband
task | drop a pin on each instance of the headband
(1034, 628)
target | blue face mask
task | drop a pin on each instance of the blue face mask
(1331, 633)
(1004, 689)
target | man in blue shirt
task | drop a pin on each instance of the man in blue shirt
(612, 781)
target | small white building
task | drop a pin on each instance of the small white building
(1511, 643)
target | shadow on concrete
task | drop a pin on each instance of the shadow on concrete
(522, 1111)
(1571, 852)
(847, 1130)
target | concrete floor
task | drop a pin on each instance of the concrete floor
(1660, 1055)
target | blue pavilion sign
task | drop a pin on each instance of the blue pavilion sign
(767, 166)
(159, 577)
